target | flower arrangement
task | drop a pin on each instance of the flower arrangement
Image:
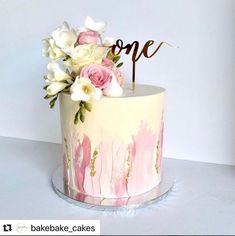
(82, 64)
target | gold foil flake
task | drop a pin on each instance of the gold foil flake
(128, 163)
(156, 165)
(68, 158)
(92, 163)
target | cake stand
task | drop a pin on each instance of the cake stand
(100, 203)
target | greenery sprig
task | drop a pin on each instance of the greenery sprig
(80, 114)
(55, 96)
(53, 100)
(114, 58)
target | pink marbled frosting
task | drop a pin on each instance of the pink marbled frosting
(110, 165)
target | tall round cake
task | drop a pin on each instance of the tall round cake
(111, 132)
(117, 151)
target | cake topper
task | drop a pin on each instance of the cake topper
(135, 54)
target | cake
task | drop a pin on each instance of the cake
(112, 133)
(117, 151)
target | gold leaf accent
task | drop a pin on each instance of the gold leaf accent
(128, 162)
(156, 165)
(92, 163)
(68, 158)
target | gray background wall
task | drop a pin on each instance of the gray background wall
(199, 76)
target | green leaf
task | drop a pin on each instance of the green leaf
(116, 58)
(45, 77)
(48, 96)
(82, 110)
(52, 102)
(73, 75)
(66, 58)
(110, 55)
(82, 104)
(76, 117)
(82, 117)
(45, 87)
(64, 81)
(88, 106)
(120, 64)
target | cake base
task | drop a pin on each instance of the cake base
(96, 203)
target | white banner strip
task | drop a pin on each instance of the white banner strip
(49, 227)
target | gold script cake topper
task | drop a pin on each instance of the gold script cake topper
(135, 54)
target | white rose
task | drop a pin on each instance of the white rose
(100, 52)
(85, 54)
(82, 52)
(83, 90)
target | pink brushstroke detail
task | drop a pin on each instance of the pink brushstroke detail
(132, 150)
(159, 160)
(118, 174)
(88, 182)
(121, 201)
(110, 166)
(82, 154)
(142, 153)
(120, 186)
(105, 150)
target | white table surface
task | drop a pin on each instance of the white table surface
(201, 202)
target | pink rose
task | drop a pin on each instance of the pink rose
(99, 75)
(119, 77)
(107, 62)
(88, 37)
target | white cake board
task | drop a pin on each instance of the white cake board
(97, 203)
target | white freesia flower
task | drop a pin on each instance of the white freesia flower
(83, 90)
(56, 74)
(56, 78)
(84, 55)
(108, 41)
(49, 49)
(55, 87)
(65, 38)
(90, 24)
(114, 89)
